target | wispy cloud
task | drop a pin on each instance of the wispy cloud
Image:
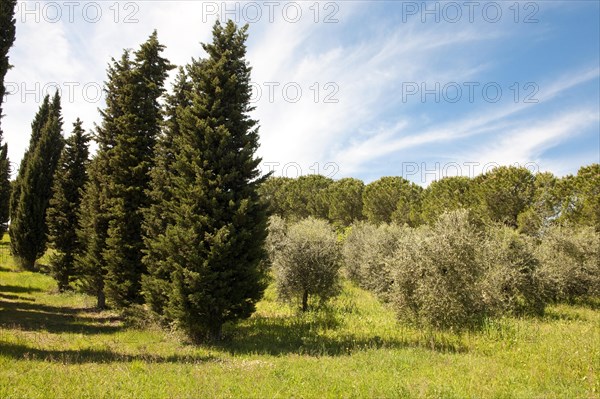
(350, 75)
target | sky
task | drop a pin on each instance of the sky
(362, 89)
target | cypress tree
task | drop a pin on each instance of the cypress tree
(90, 267)
(93, 216)
(213, 245)
(62, 215)
(155, 283)
(28, 222)
(132, 159)
(7, 38)
(116, 194)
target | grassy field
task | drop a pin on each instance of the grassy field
(57, 345)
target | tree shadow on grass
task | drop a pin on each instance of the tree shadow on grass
(30, 316)
(16, 297)
(297, 335)
(17, 289)
(71, 356)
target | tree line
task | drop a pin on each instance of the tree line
(510, 195)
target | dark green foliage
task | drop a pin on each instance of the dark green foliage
(5, 188)
(94, 217)
(36, 127)
(445, 195)
(156, 283)
(131, 160)
(213, 245)
(273, 192)
(307, 263)
(121, 174)
(62, 216)
(28, 217)
(7, 38)
(306, 197)
(93, 226)
(344, 199)
(381, 198)
(504, 193)
(408, 208)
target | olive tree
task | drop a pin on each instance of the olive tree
(436, 274)
(570, 265)
(511, 283)
(308, 262)
(365, 254)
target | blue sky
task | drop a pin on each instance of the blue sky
(362, 89)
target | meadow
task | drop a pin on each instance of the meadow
(58, 345)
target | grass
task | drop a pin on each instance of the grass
(57, 345)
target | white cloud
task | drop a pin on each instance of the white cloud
(365, 74)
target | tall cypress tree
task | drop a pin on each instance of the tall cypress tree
(62, 217)
(155, 284)
(119, 175)
(7, 38)
(93, 216)
(132, 159)
(41, 117)
(28, 216)
(90, 267)
(213, 244)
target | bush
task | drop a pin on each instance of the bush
(353, 250)
(511, 282)
(366, 250)
(308, 262)
(570, 263)
(436, 274)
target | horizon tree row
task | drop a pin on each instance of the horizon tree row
(507, 194)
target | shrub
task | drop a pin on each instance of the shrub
(570, 262)
(511, 282)
(353, 250)
(366, 250)
(436, 274)
(308, 262)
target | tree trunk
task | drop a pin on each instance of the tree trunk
(26, 264)
(101, 299)
(305, 301)
(216, 332)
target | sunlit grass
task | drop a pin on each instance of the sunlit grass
(57, 345)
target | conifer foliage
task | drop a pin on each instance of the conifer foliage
(131, 123)
(33, 187)
(131, 160)
(156, 283)
(213, 244)
(7, 38)
(62, 215)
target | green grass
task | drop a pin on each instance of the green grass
(57, 345)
